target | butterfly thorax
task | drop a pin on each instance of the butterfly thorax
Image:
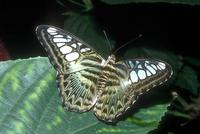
(111, 60)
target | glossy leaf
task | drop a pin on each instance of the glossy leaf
(30, 103)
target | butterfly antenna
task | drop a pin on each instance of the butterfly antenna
(104, 32)
(127, 43)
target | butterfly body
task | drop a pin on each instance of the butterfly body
(86, 81)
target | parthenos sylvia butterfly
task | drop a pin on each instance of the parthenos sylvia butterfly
(86, 81)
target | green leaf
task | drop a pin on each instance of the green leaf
(188, 79)
(189, 2)
(30, 103)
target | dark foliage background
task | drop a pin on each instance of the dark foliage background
(164, 26)
(174, 27)
(19, 20)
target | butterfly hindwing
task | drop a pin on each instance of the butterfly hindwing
(127, 80)
(77, 65)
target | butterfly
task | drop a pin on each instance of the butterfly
(86, 81)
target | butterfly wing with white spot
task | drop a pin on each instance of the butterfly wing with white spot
(127, 80)
(77, 65)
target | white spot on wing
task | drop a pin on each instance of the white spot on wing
(131, 64)
(51, 30)
(154, 66)
(58, 36)
(85, 49)
(72, 56)
(141, 74)
(79, 43)
(69, 37)
(53, 33)
(73, 45)
(60, 44)
(162, 65)
(148, 73)
(133, 76)
(159, 67)
(151, 69)
(145, 64)
(61, 40)
(65, 49)
(140, 66)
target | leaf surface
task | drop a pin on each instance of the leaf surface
(29, 103)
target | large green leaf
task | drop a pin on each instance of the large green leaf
(29, 103)
(190, 2)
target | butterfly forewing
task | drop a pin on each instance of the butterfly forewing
(125, 82)
(77, 65)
